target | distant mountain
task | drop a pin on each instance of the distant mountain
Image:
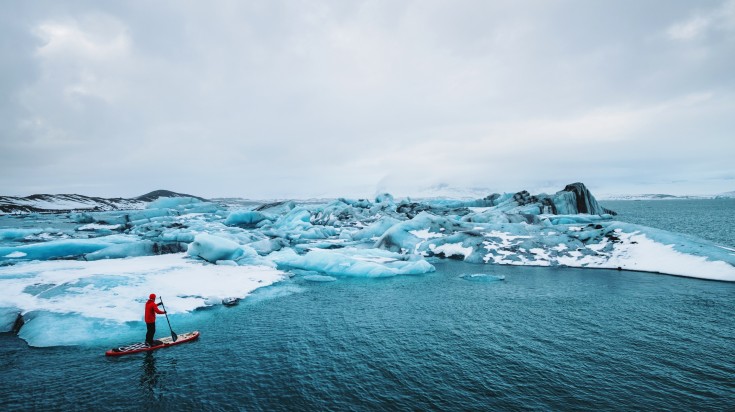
(651, 196)
(73, 202)
(149, 197)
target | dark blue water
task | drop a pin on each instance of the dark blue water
(543, 339)
(711, 219)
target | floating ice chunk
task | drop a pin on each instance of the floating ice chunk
(139, 217)
(266, 246)
(400, 236)
(487, 216)
(43, 329)
(337, 214)
(8, 317)
(298, 218)
(142, 248)
(218, 249)
(67, 248)
(81, 217)
(13, 234)
(251, 258)
(178, 235)
(311, 232)
(231, 301)
(372, 231)
(333, 262)
(204, 207)
(361, 203)
(319, 278)
(213, 248)
(384, 198)
(482, 277)
(172, 202)
(246, 218)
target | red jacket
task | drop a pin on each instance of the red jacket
(151, 308)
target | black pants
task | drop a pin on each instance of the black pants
(151, 331)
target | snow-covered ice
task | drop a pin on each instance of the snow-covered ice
(71, 293)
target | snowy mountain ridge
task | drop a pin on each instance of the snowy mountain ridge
(653, 196)
(662, 196)
(60, 203)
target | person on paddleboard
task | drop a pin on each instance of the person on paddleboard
(151, 308)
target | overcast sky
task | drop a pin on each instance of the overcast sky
(347, 98)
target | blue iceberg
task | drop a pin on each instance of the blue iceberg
(199, 252)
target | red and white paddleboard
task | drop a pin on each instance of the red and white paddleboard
(142, 347)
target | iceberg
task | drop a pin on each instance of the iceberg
(358, 263)
(222, 251)
(97, 265)
(246, 218)
(173, 202)
(68, 248)
(15, 234)
(213, 248)
(567, 228)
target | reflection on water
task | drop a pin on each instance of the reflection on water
(149, 377)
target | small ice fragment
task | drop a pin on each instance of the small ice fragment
(319, 278)
(482, 277)
(230, 301)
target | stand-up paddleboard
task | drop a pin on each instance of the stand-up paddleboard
(142, 347)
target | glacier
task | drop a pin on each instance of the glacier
(89, 272)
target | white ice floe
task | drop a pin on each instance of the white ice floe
(114, 290)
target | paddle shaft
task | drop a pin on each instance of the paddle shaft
(173, 335)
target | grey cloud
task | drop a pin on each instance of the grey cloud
(277, 99)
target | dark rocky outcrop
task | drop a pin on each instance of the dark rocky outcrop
(586, 203)
(19, 322)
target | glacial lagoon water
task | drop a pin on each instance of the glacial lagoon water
(543, 338)
(711, 219)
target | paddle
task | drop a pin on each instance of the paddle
(173, 335)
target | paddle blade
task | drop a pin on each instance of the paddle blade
(173, 336)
